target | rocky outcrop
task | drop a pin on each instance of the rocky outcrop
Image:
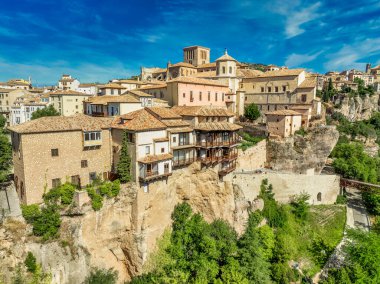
(356, 108)
(302, 154)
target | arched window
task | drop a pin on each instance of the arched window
(230, 69)
(319, 196)
(224, 70)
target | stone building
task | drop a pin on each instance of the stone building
(68, 83)
(68, 102)
(7, 100)
(283, 123)
(196, 55)
(52, 150)
(24, 106)
(111, 89)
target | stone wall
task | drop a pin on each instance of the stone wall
(285, 185)
(356, 108)
(253, 158)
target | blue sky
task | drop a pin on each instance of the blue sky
(100, 40)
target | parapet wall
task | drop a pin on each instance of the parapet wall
(323, 189)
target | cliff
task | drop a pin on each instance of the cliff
(356, 108)
(302, 154)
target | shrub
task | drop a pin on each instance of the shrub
(321, 251)
(102, 276)
(48, 223)
(252, 112)
(300, 205)
(301, 132)
(30, 212)
(64, 192)
(30, 262)
(372, 202)
(341, 199)
(115, 187)
(96, 199)
(106, 189)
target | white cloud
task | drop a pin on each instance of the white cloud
(349, 55)
(296, 60)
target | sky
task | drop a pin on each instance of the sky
(96, 41)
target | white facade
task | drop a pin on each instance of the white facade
(91, 90)
(23, 113)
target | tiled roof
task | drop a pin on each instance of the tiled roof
(248, 73)
(163, 112)
(155, 158)
(217, 126)
(202, 111)
(174, 122)
(182, 64)
(104, 100)
(281, 72)
(207, 65)
(62, 123)
(66, 80)
(163, 85)
(164, 139)
(159, 101)
(193, 80)
(283, 112)
(207, 74)
(138, 93)
(128, 81)
(111, 86)
(86, 85)
(308, 83)
(68, 93)
(180, 129)
(139, 120)
(226, 57)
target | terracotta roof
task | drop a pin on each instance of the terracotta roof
(80, 122)
(248, 73)
(308, 83)
(164, 112)
(284, 112)
(226, 57)
(128, 81)
(67, 93)
(182, 64)
(193, 80)
(104, 100)
(202, 111)
(163, 85)
(217, 126)
(155, 158)
(164, 139)
(66, 80)
(207, 65)
(159, 101)
(86, 85)
(207, 74)
(180, 129)
(111, 86)
(138, 93)
(139, 120)
(174, 122)
(282, 72)
(158, 70)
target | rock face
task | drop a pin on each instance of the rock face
(304, 155)
(356, 108)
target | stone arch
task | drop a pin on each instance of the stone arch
(319, 196)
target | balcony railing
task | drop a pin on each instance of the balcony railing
(227, 170)
(151, 175)
(229, 157)
(216, 143)
(183, 162)
(211, 160)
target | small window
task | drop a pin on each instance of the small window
(174, 139)
(230, 69)
(224, 70)
(262, 89)
(147, 150)
(209, 96)
(319, 196)
(246, 98)
(162, 150)
(216, 97)
(200, 96)
(75, 180)
(55, 182)
(54, 152)
(184, 95)
(269, 89)
(223, 97)
(303, 98)
(283, 88)
(276, 89)
(83, 164)
(92, 176)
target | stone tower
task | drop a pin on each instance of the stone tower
(196, 55)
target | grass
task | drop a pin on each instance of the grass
(249, 140)
(326, 223)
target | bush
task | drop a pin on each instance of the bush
(30, 262)
(300, 205)
(106, 189)
(64, 192)
(115, 187)
(372, 201)
(341, 199)
(102, 276)
(301, 132)
(30, 212)
(252, 112)
(96, 199)
(48, 223)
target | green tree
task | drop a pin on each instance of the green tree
(329, 92)
(31, 262)
(47, 111)
(3, 122)
(47, 224)
(252, 112)
(124, 166)
(5, 155)
(300, 205)
(102, 276)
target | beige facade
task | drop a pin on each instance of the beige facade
(7, 99)
(283, 123)
(53, 150)
(196, 55)
(68, 102)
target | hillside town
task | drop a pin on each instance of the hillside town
(212, 134)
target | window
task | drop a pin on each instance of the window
(241, 85)
(147, 150)
(303, 98)
(224, 70)
(191, 96)
(75, 180)
(83, 164)
(166, 168)
(319, 196)
(131, 137)
(230, 69)
(184, 95)
(76, 106)
(216, 97)
(111, 91)
(276, 89)
(209, 96)
(162, 150)
(283, 88)
(55, 182)
(262, 89)
(200, 96)
(269, 89)
(246, 98)
(174, 139)
(92, 176)
(223, 97)
(92, 136)
(54, 152)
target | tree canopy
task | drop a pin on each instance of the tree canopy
(124, 166)
(5, 151)
(252, 112)
(47, 111)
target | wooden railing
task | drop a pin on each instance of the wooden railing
(182, 162)
(216, 143)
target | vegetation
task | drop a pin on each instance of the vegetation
(63, 194)
(249, 140)
(329, 92)
(124, 166)
(198, 252)
(100, 189)
(252, 112)
(102, 276)
(33, 274)
(47, 111)
(301, 132)
(5, 152)
(30, 262)
(371, 199)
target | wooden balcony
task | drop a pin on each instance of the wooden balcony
(216, 143)
(211, 160)
(227, 170)
(183, 162)
(153, 175)
(230, 157)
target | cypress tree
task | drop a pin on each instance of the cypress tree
(124, 166)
